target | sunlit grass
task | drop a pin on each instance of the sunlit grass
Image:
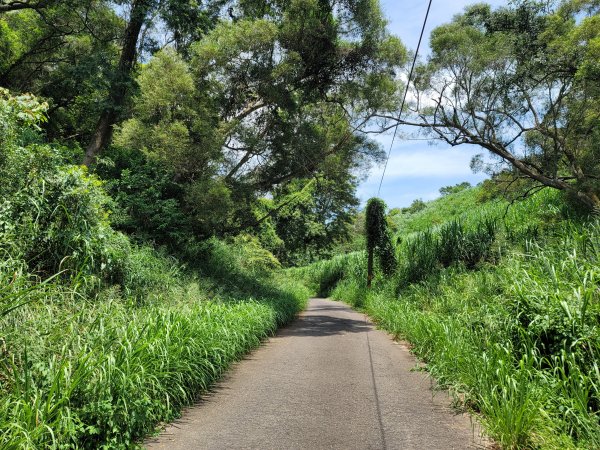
(87, 372)
(513, 330)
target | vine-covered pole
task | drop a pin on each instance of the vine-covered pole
(378, 240)
(369, 267)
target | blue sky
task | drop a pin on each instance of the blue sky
(418, 169)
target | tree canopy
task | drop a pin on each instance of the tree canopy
(520, 81)
(212, 117)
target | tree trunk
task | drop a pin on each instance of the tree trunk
(118, 90)
(590, 199)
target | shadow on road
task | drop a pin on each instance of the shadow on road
(323, 325)
(329, 308)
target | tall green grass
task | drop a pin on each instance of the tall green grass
(503, 306)
(99, 372)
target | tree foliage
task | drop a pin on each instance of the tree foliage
(63, 53)
(215, 117)
(53, 216)
(520, 81)
(379, 242)
(449, 190)
(208, 118)
(320, 211)
(241, 118)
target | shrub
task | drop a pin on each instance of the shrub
(54, 215)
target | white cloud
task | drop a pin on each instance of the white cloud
(427, 162)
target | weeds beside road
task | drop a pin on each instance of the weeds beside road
(514, 331)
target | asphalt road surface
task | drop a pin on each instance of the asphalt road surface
(330, 380)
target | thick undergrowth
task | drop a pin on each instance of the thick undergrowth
(101, 339)
(103, 371)
(503, 309)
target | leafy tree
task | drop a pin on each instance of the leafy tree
(243, 119)
(83, 54)
(379, 242)
(521, 82)
(273, 80)
(171, 122)
(447, 190)
(416, 206)
(61, 52)
(318, 217)
(121, 80)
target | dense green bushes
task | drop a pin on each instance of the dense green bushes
(101, 339)
(103, 368)
(504, 312)
(148, 203)
(53, 215)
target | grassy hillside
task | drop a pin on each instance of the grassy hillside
(438, 211)
(502, 305)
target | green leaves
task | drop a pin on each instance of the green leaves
(17, 114)
(512, 80)
(233, 44)
(54, 215)
(378, 237)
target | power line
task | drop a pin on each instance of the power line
(412, 68)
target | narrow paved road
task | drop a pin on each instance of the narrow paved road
(328, 381)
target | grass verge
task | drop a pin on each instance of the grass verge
(103, 371)
(515, 334)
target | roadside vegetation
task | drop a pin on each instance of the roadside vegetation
(502, 303)
(102, 338)
(100, 371)
(163, 162)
